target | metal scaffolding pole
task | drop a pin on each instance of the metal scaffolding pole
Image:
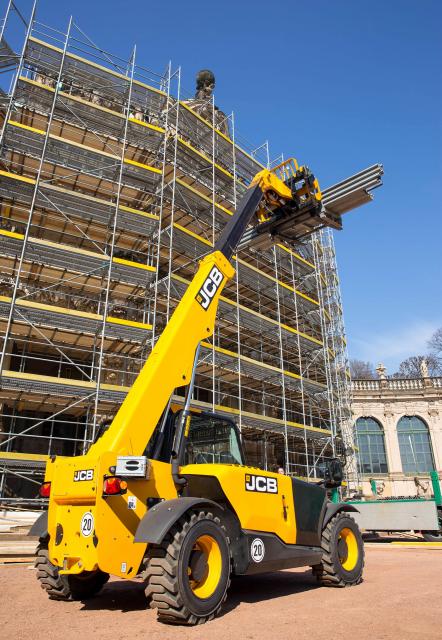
(173, 133)
(238, 316)
(214, 340)
(166, 88)
(281, 364)
(301, 370)
(320, 276)
(37, 181)
(17, 74)
(112, 244)
(5, 19)
(340, 365)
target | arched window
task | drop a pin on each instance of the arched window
(369, 439)
(414, 445)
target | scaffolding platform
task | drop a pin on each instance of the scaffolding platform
(112, 188)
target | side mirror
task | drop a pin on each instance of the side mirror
(102, 428)
(331, 472)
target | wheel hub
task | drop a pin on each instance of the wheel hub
(204, 568)
(342, 550)
(347, 547)
(197, 565)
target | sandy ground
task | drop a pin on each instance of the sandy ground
(399, 599)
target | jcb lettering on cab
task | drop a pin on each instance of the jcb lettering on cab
(262, 484)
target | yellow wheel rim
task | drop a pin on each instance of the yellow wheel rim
(348, 549)
(206, 584)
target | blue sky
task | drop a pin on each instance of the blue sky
(340, 84)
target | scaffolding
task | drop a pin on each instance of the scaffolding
(112, 188)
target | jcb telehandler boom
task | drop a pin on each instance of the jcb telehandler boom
(165, 492)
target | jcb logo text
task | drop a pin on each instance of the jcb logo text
(262, 484)
(83, 474)
(211, 285)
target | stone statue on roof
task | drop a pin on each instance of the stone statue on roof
(205, 84)
(424, 368)
(381, 371)
(203, 103)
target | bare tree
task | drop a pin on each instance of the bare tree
(361, 370)
(412, 367)
(435, 345)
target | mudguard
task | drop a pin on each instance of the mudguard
(160, 518)
(40, 526)
(333, 508)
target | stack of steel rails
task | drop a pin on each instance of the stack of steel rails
(354, 191)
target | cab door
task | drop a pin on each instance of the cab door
(214, 468)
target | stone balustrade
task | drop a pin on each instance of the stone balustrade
(396, 384)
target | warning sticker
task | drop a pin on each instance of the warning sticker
(257, 550)
(87, 524)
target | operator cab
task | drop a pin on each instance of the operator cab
(211, 439)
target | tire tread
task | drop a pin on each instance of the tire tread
(63, 587)
(326, 572)
(161, 574)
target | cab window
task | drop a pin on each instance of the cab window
(212, 440)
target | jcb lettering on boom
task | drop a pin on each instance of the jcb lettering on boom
(211, 285)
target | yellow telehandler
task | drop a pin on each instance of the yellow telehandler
(165, 493)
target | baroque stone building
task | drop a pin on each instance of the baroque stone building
(398, 433)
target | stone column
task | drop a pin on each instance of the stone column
(392, 442)
(434, 421)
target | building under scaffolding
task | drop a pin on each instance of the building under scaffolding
(112, 187)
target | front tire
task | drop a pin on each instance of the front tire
(188, 574)
(343, 553)
(66, 587)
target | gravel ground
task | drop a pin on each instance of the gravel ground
(398, 600)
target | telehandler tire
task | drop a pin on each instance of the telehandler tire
(343, 553)
(66, 587)
(434, 536)
(187, 576)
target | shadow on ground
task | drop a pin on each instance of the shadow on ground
(385, 538)
(118, 595)
(126, 595)
(267, 586)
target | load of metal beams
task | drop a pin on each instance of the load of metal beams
(352, 192)
(338, 199)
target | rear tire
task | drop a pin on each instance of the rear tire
(188, 574)
(434, 536)
(342, 553)
(66, 587)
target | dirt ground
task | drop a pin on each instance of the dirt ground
(398, 600)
